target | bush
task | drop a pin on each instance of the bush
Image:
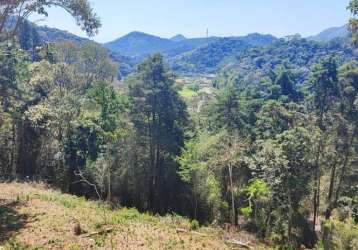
(194, 225)
(194, 87)
(246, 211)
(340, 235)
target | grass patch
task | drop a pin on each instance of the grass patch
(14, 244)
(187, 93)
(47, 218)
(126, 215)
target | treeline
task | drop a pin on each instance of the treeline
(276, 158)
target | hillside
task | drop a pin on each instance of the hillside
(48, 34)
(207, 59)
(178, 38)
(254, 65)
(195, 55)
(330, 33)
(138, 44)
(32, 216)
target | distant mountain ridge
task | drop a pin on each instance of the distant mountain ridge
(208, 58)
(48, 34)
(178, 38)
(330, 33)
(184, 55)
(45, 33)
(139, 44)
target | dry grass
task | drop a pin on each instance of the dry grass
(33, 216)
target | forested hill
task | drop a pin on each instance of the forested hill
(254, 65)
(207, 58)
(330, 33)
(139, 45)
(33, 33)
(251, 54)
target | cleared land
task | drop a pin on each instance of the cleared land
(33, 216)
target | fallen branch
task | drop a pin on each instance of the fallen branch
(182, 230)
(238, 243)
(106, 230)
(200, 234)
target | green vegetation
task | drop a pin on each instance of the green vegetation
(187, 93)
(47, 219)
(269, 146)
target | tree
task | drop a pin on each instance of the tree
(353, 22)
(287, 86)
(258, 193)
(159, 116)
(273, 119)
(225, 112)
(13, 12)
(285, 163)
(197, 172)
(29, 39)
(346, 130)
(96, 65)
(324, 85)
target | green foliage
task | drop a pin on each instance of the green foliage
(353, 22)
(195, 171)
(159, 117)
(246, 211)
(340, 235)
(194, 87)
(187, 93)
(194, 225)
(276, 130)
(209, 58)
(257, 189)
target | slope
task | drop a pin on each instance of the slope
(207, 59)
(32, 216)
(254, 65)
(330, 33)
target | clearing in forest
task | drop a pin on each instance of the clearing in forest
(33, 216)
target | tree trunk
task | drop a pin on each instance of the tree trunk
(109, 182)
(290, 217)
(268, 222)
(14, 151)
(316, 198)
(195, 205)
(330, 192)
(232, 196)
(344, 167)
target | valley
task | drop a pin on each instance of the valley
(170, 139)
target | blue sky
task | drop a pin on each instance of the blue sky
(191, 18)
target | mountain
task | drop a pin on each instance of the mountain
(204, 53)
(208, 55)
(331, 33)
(48, 34)
(207, 59)
(139, 44)
(178, 38)
(45, 34)
(254, 65)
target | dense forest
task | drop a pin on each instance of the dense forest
(271, 148)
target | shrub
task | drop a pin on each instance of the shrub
(194, 225)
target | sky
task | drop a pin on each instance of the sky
(192, 18)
